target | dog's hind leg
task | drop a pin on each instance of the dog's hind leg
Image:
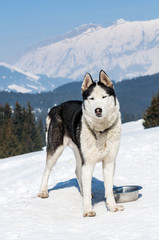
(50, 162)
(55, 146)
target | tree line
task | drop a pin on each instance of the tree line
(151, 114)
(133, 95)
(19, 131)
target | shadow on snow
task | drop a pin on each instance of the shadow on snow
(97, 188)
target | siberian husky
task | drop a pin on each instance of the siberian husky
(92, 129)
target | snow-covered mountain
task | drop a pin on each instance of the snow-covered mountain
(75, 32)
(124, 50)
(15, 79)
(25, 216)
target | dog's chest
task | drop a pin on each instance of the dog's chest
(95, 146)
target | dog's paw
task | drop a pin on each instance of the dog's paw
(43, 194)
(115, 208)
(89, 214)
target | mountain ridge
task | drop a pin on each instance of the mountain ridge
(69, 34)
(69, 56)
(124, 50)
(15, 79)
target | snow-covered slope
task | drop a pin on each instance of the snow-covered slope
(124, 50)
(24, 216)
(15, 79)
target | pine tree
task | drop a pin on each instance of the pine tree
(25, 133)
(9, 145)
(42, 133)
(1, 129)
(34, 141)
(7, 111)
(151, 115)
(18, 121)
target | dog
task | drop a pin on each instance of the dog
(92, 128)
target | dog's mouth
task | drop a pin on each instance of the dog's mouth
(98, 114)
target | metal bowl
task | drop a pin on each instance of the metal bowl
(126, 193)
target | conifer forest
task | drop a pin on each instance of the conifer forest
(19, 131)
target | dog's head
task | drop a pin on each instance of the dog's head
(99, 97)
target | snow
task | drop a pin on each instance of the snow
(19, 88)
(20, 81)
(25, 216)
(15, 68)
(124, 50)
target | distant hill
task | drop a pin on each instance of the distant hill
(17, 80)
(134, 96)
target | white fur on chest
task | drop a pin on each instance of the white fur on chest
(97, 147)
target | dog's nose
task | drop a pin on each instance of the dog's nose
(98, 111)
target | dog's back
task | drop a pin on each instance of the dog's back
(64, 121)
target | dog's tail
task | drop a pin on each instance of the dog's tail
(48, 120)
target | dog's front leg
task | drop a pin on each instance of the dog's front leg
(108, 172)
(87, 173)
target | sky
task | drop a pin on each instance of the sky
(26, 22)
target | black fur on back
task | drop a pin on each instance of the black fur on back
(65, 121)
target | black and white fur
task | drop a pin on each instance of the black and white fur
(92, 129)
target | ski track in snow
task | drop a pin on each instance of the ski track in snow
(25, 216)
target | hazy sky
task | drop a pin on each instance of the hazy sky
(25, 22)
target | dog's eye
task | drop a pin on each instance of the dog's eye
(104, 96)
(91, 98)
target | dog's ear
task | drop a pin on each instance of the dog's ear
(103, 78)
(87, 81)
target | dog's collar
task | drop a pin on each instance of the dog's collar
(101, 132)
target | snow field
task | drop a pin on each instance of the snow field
(25, 216)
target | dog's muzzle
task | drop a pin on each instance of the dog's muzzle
(98, 112)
